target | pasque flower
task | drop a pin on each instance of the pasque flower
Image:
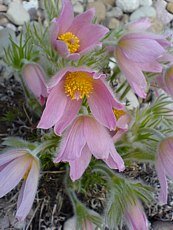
(165, 81)
(137, 51)
(67, 90)
(84, 138)
(73, 36)
(135, 217)
(164, 166)
(34, 78)
(17, 165)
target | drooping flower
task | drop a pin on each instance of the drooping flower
(73, 36)
(67, 90)
(34, 78)
(138, 51)
(15, 165)
(165, 81)
(135, 217)
(164, 166)
(87, 137)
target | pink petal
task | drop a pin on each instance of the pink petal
(82, 20)
(55, 106)
(133, 73)
(154, 67)
(163, 182)
(139, 25)
(97, 137)
(11, 155)
(101, 103)
(115, 161)
(73, 142)
(12, 174)
(78, 166)
(70, 112)
(94, 32)
(29, 192)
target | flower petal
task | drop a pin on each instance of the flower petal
(13, 173)
(11, 155)
(55, 106)
(70, 112)
(72, 143)
(29, 192)
(78, 166)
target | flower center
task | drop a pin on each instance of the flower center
(118, 113)
(71, 41)
(78, 85)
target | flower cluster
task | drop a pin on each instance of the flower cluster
(82, 108)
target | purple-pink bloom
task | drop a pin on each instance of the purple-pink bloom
(69, 34)
(68, 89)
(34, 78)
(164, 166)
(165, 81)
(15, 165)
(84, 138)
(138, 51)
(135, 217)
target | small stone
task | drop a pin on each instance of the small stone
(4, 41)
(144, 11)
(11, 26)
(125, 18)
(3, 8)
(145, 2)
(157, 26)
(100, 10)
(116, 12)
(17, 14)
(31, 4)
(78, 8)
(128, 6)
(108, 2)
(162, 13)
(1, 27)
(162, 225)
(169, 7)
(33, 14)
(114, 23)
(3, 20)
(7, 2)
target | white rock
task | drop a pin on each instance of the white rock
(4, 41)
(115, 12)
(128, 5)
(17, 14)
(78, 8)
(31, 4)
(145, 2)
(144, 11)
(162, 13)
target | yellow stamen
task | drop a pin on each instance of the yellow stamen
(118, 113)
(26, 173)
(71, 40)
(78, 85)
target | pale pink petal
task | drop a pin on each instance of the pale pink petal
(168, 79)
(12, 174)
(101, 103)
(29, 192)
(94, 32)
(139, 25)
(154, 67)
(141, 50)
(78, 166)
(114, 160)
(97, 137)
(72, 143)
(133, 73)
(70, 112)
(10, 155)
(163, 182)
(55, 106)
(81, 20)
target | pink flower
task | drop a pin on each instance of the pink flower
(165, 81)
(73, 36)
(135, 217)
(34, 78)
(67, 91)
(139, 51)
(86, 137)
(164, 166)
(15, 165)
